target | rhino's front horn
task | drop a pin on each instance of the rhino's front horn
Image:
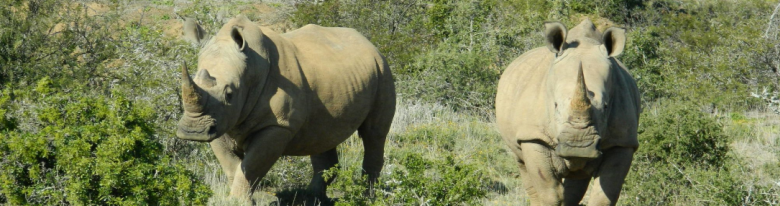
(580, 103)
(189, 92)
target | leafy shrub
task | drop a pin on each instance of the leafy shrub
(420, 181)
(92, 150)
(463, 80)
(40, 35)
(683, 50)
(615, 10)
(684, 158)
(6, 122)
(460, 71)
(642, 57)
(680, 133)
(656, 183)
(391, 25)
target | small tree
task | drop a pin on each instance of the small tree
(92, 150)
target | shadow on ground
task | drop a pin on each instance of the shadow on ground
(299, 197)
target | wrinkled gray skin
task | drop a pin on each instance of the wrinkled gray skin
(259, 95)
(569, 113)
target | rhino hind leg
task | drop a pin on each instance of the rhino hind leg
(374, 128)
(610, 176)
(321, 162)
(373, 132)
(373, 157)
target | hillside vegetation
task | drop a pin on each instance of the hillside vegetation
(89, 100)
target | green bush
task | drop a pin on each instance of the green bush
(419, 181)
(6, 122)
(72, 126)
(684, 158)
(615, 10)
(642, 57)
(92, 150)
(391, 25)
(461, 79)
(680, 133)
(656, 183)
(42, 36)
(460, 71)
(688, 51)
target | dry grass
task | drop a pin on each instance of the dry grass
(758, 145)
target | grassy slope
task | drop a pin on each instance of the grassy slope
(432, 129)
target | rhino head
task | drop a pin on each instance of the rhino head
(579, 85)
(228, 69)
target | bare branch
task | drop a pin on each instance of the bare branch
(771, 20)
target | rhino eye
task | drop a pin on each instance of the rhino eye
(228, 93)
(556, 105)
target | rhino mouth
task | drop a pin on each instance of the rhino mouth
(578, 143)
(200, 134)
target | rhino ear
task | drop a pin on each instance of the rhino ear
(615, 40)
(238, 37)
(555, 33)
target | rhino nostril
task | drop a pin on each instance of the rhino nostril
(212, 129)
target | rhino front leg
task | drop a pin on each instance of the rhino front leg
(574, 189)
(547, 188)
(261, 151)
(528, 183)
(223, 147)
(321, 162)
(240, 186)
(611, 175)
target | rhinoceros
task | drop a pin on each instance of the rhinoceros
(258, 95)
(569, 113)
(191, 30)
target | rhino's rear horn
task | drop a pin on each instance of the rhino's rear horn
(190, 95)
(580, 103)
(206, 80)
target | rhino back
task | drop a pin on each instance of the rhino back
(520, 101)
(344, 73)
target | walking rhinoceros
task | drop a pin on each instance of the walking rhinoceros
(259, 95)
(569, 112)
